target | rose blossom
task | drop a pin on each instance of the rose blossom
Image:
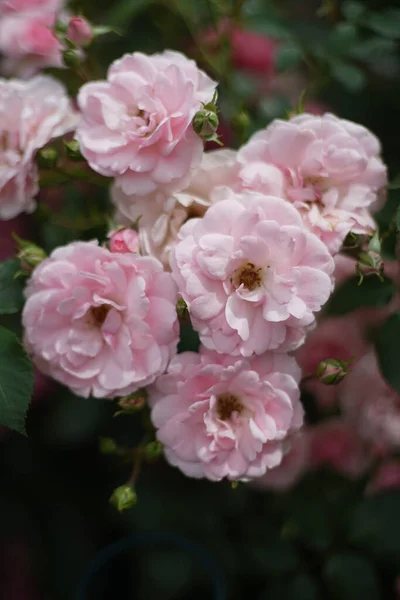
(329, 168)
(293, 466)
(31, 114)
(334, 444)
(27, 39)
(327, 340)
(250, 273)
(220, 416)
(136, 126)
(161, 217)
(100, 323)
(124, 240)
(29, 7)
(29, 45)
(371, 405)
(386, 477)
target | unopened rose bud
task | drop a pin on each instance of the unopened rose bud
(132, 403)
(124, 497)
(124, 240)
(205, 124)
(332, 371)
(153, 450)
(107, 446)
(79, 32)
(181, 308)
(71, 58)
(47, 158)
(369, 263)
(72, 150)
(375, 243)
(29, 253)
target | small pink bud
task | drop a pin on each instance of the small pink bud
(124, 240)
(79, 31)
(331, 371)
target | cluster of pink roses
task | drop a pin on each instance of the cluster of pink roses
(246, 239)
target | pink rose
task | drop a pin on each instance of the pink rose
(386, 477)
(136, 126)
(250, 274)
(293, 466)
(31, 114)
(29, 7)
(371, 405)
(161, 217)
(329, 168)
(79, 31)
(218, 416)
(335, 445)
(328, 341)
(124, 240)
(100, 323)
(29, 43)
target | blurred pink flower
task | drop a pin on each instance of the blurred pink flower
(335, 444)
(100, 323)
(218, 416)
(250, 50)
(137, 127)
(371, 406)
(386, 477)
(334, 337)
(27, 39)
(29, 44)
(329, 168)
(252, 277)
(31, 114)
(29, 7)
(124, 240)
(293, 466)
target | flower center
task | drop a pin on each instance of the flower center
(248, 275)
(99, 313)
(227, 404)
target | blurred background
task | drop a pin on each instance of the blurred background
(322, 530)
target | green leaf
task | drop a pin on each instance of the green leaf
(348, 75)
(386, 22)
(125, 11)
(352, 10)
(99, 30)
(349, 295)
(371, 49)
(11, 289)
(16, 381)
(387, 344)
(375, 528)
(288, 57)
(395, 184)
(342, 37)
(349, 576)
